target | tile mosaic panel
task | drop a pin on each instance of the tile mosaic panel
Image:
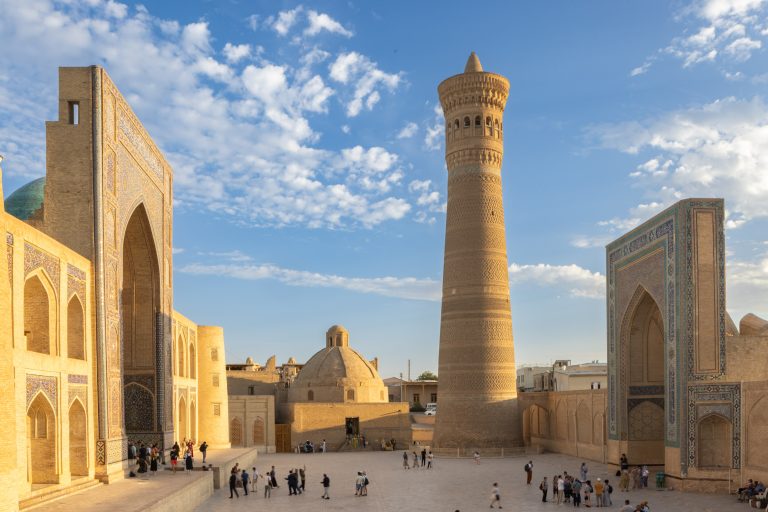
(35, 258)
(44, 383)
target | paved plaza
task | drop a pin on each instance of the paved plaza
(454, 484)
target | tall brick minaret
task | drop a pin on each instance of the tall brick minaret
(477, 396)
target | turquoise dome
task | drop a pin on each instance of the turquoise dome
(26, 200)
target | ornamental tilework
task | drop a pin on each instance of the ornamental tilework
(43, 383)
(101, 452)
(75, 283)
(646, 390)
(35, 258)
(130, 134)
(79, 392)
(77, 379)
(720, 396)
(9, 238)
(9, 257)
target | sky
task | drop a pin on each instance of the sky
(307, 146)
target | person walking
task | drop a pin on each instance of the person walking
(476, 456)
(576, 493)
(644, 475)
(495, 495)
(267, 486)
(233, 486)
(423, 457)
(430, 457)
(303, 478)
(326, 484)
(273, 478)
(415, 461)
(607, 494)
(529, 472)
(204, 450)
(364, 490)
(544, 488)
(245, 477)
(624, 480)
(405, 460)
(584, 471)
(254, 479)
(359, 484)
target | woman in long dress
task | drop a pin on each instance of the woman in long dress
(153, 459)
(188, 461)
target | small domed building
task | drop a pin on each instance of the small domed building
(338, 374)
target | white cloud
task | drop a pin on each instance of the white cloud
(717, 30)
(354, 69)
(236, 52)
(238, 136)
(284, 20)
(579, 281)
(716, 150)
(319, 22)
(371, 160)
(408, 131)
(397, 287)
(436, 131)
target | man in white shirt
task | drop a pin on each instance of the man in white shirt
(627, 507)
(495, 495)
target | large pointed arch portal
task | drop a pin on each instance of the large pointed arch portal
(141, 341)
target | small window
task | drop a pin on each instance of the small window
(74, 112)
(251, 390)
(433, 397)
(456, 124)
(310, 396)
(466, 122)
(217, 409)
(477, 121)
(488, 121)
(216, 380)
(416, 398)
(350, 394)
(214, 354)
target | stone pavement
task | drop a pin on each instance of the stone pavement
(454, 484)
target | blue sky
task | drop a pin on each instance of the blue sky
(307, 146)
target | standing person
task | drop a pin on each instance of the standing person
(587, 488)
(245, 477)
(189, 462)
(204, 450)
(415, 461)
(560, 489)
(599, 491)
(644, 475)
(153, 458)
(624, 480)
(359, 484)
(584, 471)
(303, 478)
(273, 478)
(326, 484)
(254, 479)
(429, 459)
(174, 457)
(233, 486)
(624, 462)
(576, 493)
(267, 485)
(554, 488)
(405, 460)
(544, 488)
(323, 447)
(476, 456)
(291, 483)
(423, 457)
(607, 494)
(529, 472)
(365, 484)
(495, 495)
(567, 488)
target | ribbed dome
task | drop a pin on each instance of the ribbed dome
(26, 200)
(336, 366)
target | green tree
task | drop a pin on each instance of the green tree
(427, 375)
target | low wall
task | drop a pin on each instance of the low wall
(185, 498)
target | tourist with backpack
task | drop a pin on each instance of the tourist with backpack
(529, 472)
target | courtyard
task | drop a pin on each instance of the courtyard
(453, 484)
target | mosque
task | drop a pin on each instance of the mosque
(96, 355)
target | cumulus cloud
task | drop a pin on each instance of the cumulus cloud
(716, 30)
(435, 131)
(238, 134)
(236, 52)
(319, 22)
(715, 150)
(408, 131)
(366, 77)
(579, 281)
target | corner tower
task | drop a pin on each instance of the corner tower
(478, 398)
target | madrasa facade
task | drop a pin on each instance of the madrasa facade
(96, 355)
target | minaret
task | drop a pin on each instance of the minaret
(477, 396)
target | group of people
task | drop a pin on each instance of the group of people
(309, 447)
(148, 458)
(297, 482)
(424, 462)
(579, 489)
(753, 491)
(634, 478)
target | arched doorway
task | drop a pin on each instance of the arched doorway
(140, 302)
(183, 433)
(39, 315)
(78, 449)
(644, 376)
(714, 442)
(75, 329)
(41, 441)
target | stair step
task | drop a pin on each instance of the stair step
(54, 491)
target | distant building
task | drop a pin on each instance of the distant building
(412, 391)
(578, 377)
(526, 376)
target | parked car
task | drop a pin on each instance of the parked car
(431, 409)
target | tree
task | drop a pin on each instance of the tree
(427, 375)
